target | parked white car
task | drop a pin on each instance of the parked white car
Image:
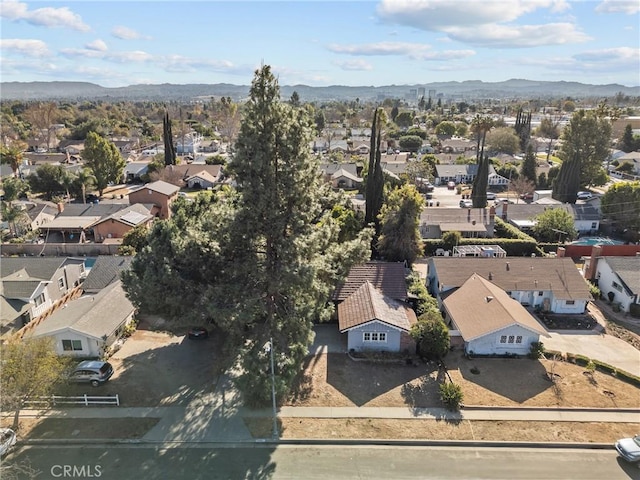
(629, 449)
(7, 440)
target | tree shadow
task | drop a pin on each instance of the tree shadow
(363, 381)
(517, 379)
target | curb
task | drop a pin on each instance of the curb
(550, 409)
(264, 442)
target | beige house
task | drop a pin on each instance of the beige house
(161, 194)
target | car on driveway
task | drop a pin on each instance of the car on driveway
(7, 440)
(94, 372)
(491, 196)
(584, 195)
(629, 449)
(466, 204)
(198, 333)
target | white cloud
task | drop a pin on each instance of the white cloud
(380, 48)
(487, 23)
(98, 45)
(354, 65)
(46, 17)
(126, 33)
(504, 36)
(28, 48)
(136, 56)
(615, 6)
(436, 15)
(627, 55)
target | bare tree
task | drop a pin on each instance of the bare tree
(43, 116)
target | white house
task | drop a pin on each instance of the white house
(489, 321)
(87, 326)
(619, 276)
(550, 284)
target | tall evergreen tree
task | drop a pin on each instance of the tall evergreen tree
(481, 126)
(262, 261)
(104, 160)
(523, 128)
(529, 164)
(374, 189)
(585, 145)
(167, 136)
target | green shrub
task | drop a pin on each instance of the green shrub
(536, 350)
(451, 395)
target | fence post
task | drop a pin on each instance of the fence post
(117, 400)
(86, 400)
(53, 400)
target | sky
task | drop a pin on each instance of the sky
(320, 43)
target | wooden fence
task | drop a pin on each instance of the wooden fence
(86, 400)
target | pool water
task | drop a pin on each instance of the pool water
(597, 241)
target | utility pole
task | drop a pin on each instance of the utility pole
(273, 392)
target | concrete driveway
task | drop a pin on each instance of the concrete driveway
(328, 340)
(597, 346)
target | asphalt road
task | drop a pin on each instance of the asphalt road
(209, 461)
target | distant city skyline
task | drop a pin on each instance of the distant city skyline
(317, 43)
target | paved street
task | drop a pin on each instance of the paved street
(324, 462)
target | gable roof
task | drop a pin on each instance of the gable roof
(558, 274)
(480, 307)
(35, 268)
(159, 186)
(189, 169)
(367, 304)
(346, 174)
(132, 215)
(628, 270)
(105, 271)
(91, 209)
(202, 175)
(388, 277)
(93, 315)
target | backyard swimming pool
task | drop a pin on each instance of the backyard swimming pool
(597, 241)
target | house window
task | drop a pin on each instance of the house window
(61, 283)
(616, 285)
(540, 293)
(503, 339)
(594, 225)
(570, 302)
(374, 336)
(71, 345)
(39, 300)
(511, 338)
(519, 339)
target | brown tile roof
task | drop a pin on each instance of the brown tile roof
(559, 275)
(388, 277)
(367, 304)
(479, 307)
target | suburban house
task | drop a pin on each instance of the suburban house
(470, 222)
(133, 171)
(373, 309)
(40, 213)
(333, 172)
(466, 174)
(202, 180)
(618, 279)
(126, 146)
(105, 270)
(87, 326)
(549, 284)
(188, 143)
(586, 218)
(159, 193)
(74, 222)
(373, 321)
(488, 321)
(118, 224)
(344, 179)
(32, 286)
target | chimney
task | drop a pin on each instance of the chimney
(488, 298)
(505, 206)
(560, 252)
(60, 207)
(490, 276)
(508, 267)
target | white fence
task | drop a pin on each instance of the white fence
(85, 400)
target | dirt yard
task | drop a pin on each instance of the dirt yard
(334, 380)
(77, 428)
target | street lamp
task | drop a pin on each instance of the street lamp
(269, 347)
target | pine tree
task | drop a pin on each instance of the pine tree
(529, 164)
(104, 160)
(374, 190)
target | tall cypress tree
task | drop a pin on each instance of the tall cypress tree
(374, 191)
(529, 164)
(169, 147)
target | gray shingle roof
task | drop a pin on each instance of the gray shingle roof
(91, 210)
(41, 268)
(628, 269)
(19, 289)
(94, 315)
(161, 186)
(367, 304)
(560, 275)
(105, 271)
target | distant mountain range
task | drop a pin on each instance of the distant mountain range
(468, 90)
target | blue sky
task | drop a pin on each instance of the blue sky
(319, 43)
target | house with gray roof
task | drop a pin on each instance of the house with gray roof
(470, 222)
(32, 286)
(488, 321)
(105, 271)
(618, 279)
(387, 277)
(586, 218)
(466, 174)
(87, 326)
(550, 284)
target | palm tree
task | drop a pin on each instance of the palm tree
(12, 155)
(84, 179)
(11, 214)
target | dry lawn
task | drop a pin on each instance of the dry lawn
(334, 380)
(81, 428)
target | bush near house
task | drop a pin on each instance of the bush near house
(451, 395)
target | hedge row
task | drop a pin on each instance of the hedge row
(582, 360)
(506, 230)
(513, 247)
